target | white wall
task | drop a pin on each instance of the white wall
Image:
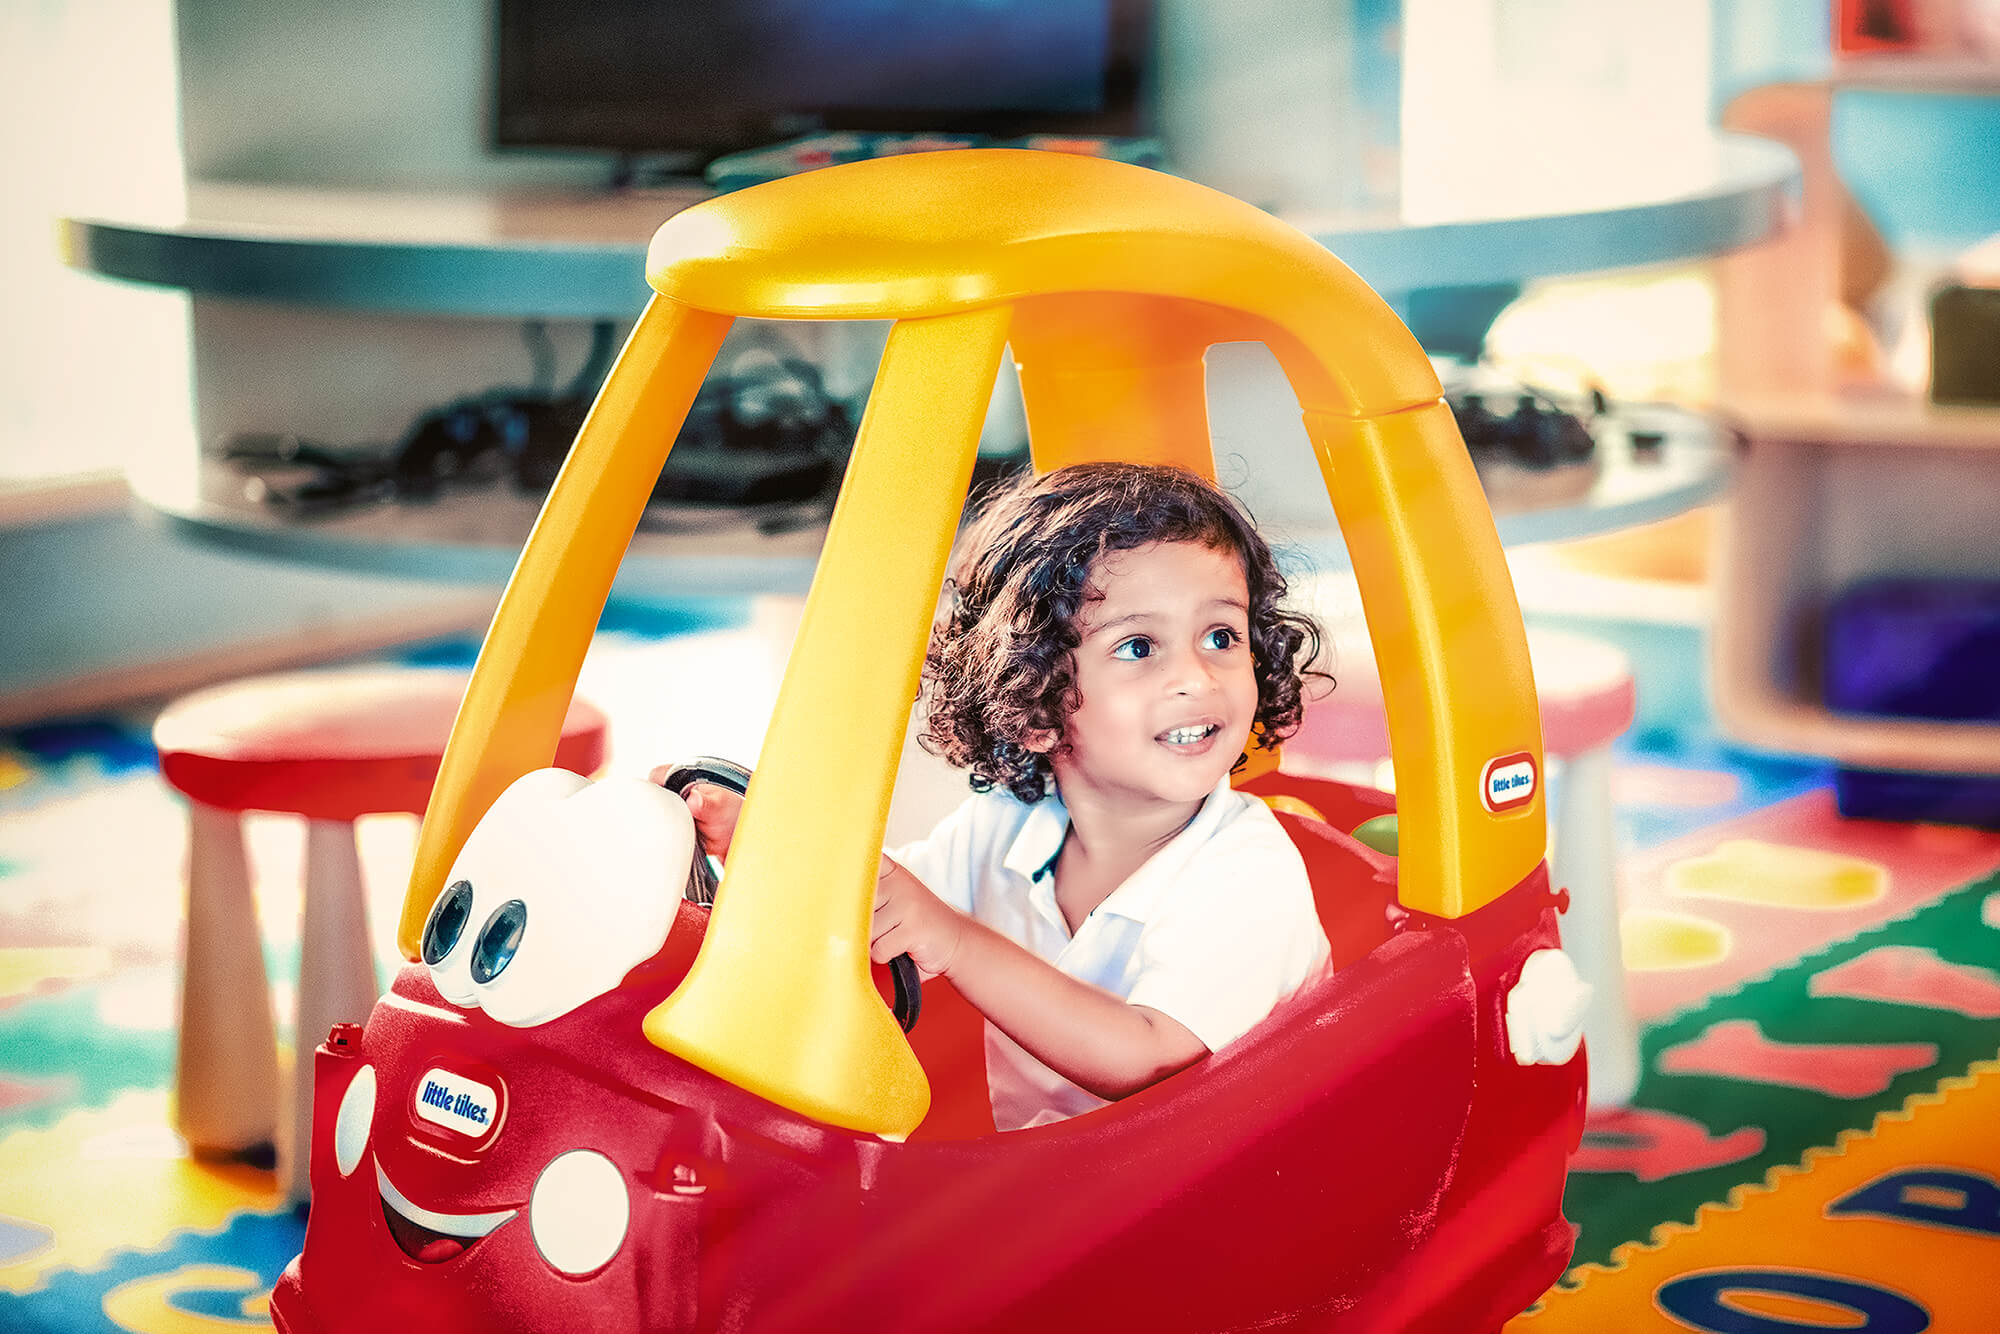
(88, 122)
(97, 606)
(1608, 98)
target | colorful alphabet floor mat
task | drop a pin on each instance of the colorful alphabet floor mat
(1815, 1142)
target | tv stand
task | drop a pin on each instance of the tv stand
(262, 255)
(655, 171)
(546, 254)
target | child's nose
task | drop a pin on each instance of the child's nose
(1191, 675)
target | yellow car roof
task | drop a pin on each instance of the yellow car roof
(1109, 282)
(930, 234)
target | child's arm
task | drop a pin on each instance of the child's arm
(1092, 1038)
(1085, 1034)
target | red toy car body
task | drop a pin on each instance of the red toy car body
(1385, 1151)
(1370, 1157)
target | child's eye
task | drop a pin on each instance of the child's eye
(1222, 637)
(1133, 649)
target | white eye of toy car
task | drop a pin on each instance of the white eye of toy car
(560, 889)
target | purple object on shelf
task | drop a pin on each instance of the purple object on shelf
(1916, 648)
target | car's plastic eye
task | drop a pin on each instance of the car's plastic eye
(498, 940)
(447, 921)
(571, 883)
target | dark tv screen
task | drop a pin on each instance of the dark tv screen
(699, 78)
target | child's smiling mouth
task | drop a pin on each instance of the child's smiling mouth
(1192, 738)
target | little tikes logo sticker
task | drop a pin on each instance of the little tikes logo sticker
(1509, 782)
(456, 1103)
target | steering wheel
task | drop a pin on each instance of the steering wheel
(909, 1002)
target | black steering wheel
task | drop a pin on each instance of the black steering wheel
(909, 1002)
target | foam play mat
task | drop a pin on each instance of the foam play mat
(1812, 1145)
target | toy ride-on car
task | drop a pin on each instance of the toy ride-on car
(589, 1104)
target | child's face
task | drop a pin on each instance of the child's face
(1168, 684)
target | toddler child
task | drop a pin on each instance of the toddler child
(1106, 900)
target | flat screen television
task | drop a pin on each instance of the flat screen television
(689, 80)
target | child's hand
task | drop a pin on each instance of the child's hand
(911, 920)
(714, 809)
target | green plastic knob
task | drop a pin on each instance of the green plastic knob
(1378, 833)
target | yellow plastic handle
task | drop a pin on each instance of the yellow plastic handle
(779, 1000)
(511, 718)
(1449, 646)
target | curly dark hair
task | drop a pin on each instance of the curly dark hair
(1001, 670)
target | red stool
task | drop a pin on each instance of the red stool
(331, 747)
(1587, 701)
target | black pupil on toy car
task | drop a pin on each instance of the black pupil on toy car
(498, 940)
(447, 920)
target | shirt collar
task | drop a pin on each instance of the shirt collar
(1040, 839)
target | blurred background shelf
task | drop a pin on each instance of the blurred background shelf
(1887, 417)
(282, 274)
(1832, 490)
(510, 252)
(476, 534)
(1846, 473)
(1899, 72)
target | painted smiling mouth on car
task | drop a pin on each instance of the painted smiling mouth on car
(430, 1237)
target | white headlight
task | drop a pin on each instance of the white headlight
(356, 1118)
(579, 1212)
(1545, 1009)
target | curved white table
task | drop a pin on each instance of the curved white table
(476, 535)
(498, 253)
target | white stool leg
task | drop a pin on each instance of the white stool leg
(336, 979)
(226, 1068)
(1586, 863)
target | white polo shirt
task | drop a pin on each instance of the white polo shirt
(1213, 930)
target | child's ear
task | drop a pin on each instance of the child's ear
(1041, 742)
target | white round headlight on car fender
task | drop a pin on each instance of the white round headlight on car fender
(579, 1211)
(1546, 1009)
(356, 1119)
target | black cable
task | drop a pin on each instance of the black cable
(542, 356)
(603, 346)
